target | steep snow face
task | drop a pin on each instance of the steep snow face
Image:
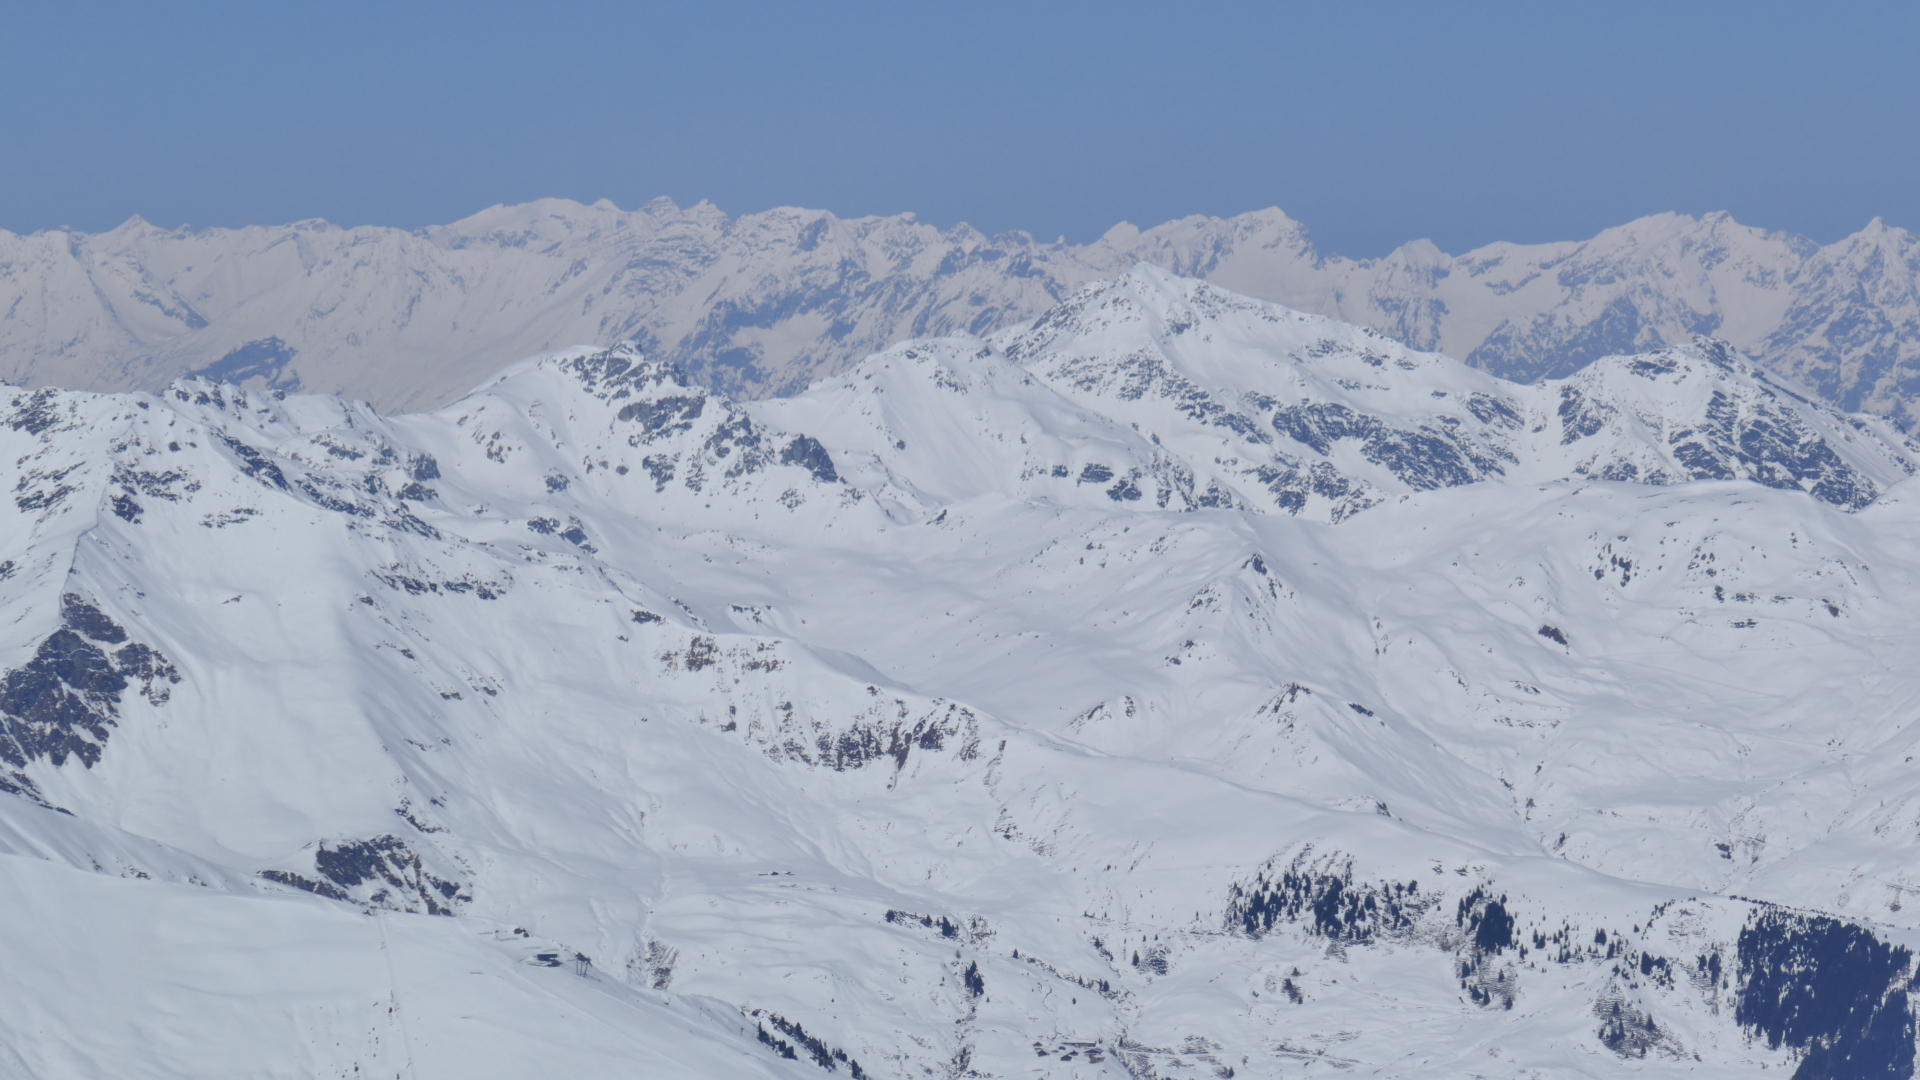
(597, 724)
(766, 303)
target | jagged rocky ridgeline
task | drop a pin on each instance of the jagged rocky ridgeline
(1175, 686)
(1178, 395)
(766, 303)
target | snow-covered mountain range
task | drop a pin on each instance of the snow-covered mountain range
(766, 303)
(1174, 685)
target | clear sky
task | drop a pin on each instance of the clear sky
(1373, 123)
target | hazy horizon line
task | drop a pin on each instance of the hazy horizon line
(187, 228)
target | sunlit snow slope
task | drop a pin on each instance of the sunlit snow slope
(1173, 686)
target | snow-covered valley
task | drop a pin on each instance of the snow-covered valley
(1174, 685)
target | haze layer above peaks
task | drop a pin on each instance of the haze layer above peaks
(763, 304)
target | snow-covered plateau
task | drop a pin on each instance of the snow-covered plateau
(1172, 685)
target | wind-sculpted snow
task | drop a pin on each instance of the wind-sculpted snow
(1177, 686)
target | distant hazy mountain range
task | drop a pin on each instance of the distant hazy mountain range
(761, 305)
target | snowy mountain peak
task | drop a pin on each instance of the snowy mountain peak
(1007, 704)
(1174, 393)
(1703, 411)
(764, 304)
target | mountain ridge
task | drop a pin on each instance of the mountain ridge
(765, 303)
(599, 723)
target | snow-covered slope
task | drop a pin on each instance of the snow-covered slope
(766, 303)
(1175, 686)
(1179, 394)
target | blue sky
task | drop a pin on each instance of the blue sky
(1373, 123)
